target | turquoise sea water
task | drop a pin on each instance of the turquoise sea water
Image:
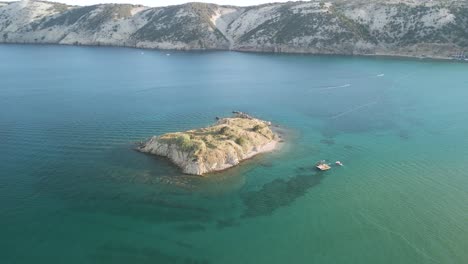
(72, 190)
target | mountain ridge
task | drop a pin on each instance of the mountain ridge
(437, 29)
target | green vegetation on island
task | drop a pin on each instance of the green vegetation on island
(216, 147)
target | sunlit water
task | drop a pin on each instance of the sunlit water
(73, 190)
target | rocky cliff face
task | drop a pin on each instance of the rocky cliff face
(214, 148)
(437, 28)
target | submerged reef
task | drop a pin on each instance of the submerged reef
(279, 193)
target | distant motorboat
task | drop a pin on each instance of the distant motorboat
(339, 163)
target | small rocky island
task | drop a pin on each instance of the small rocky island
(215, 148)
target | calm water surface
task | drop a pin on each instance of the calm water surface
(72, 190)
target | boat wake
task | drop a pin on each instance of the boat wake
(401, 236)
(333, 87)
(353, 110)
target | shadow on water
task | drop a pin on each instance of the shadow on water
(129, 230)
(83, 192)
(226, 223)
(329, 142)
(120, 253)
(144, 189)
(189, 204)
(149, 210)
(189, 228)
(404, 134)
(279, 193)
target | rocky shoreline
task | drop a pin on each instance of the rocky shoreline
(215, 148)
(432, 30)
(387, 54)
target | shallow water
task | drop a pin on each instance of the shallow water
(72, 190)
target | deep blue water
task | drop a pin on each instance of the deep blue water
(72, 190)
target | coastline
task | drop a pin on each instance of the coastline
(265, 149)
(268, 148)
(215, 148)
(257, 51)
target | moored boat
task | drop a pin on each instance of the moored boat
(322, 165)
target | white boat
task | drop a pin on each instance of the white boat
(339, 163)
(321, 165)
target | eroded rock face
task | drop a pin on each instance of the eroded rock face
(214, 148)
(436, 28)
(179, 157)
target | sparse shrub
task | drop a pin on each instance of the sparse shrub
(183, 141)
(187, 144)
(198, 146)
(224, 130)
(257, 128)
(242, 141)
